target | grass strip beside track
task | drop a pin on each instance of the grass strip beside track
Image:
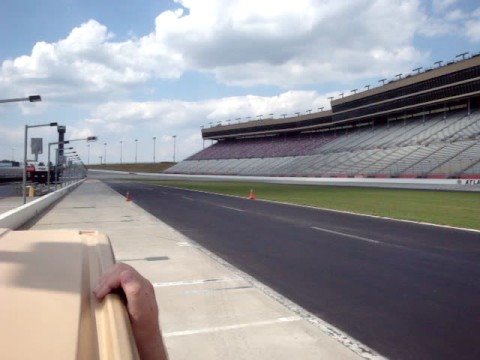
(459, 209)
(136, 167)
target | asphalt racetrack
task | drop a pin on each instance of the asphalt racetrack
(8, 189)
(408, 291)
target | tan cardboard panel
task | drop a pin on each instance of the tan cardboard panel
(47, 309)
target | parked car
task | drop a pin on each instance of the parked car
(37, 171)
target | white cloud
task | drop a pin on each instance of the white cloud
(242, 42)
(472, 29)
(87, 65)
(270, 42)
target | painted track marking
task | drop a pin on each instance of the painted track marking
(232, 327)
(188, 198)
(231, 208)
(192, 282)
(347, 235)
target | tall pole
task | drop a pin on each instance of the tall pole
(174, 146)
(105, 152)
(121, 151)
(24, 175)
(154, 140)
(88, 154)
(136, 150)
(48, 168)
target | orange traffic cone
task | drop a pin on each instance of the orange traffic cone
(129, 197)
(252, 195)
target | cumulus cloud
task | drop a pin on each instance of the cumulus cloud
(274, 43)
(472, 26)
(88, 65)
(242, 42)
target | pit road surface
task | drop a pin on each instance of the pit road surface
(408, 291)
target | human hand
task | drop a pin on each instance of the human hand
(141, 306)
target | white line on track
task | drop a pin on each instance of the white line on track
(231, 208)
(188, 198)
(347, 235)
(232, 327)
(192, 282)
(329, 210)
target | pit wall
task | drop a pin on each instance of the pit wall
(15, 218)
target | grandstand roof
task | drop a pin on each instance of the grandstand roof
(266, 126)
(428, 74)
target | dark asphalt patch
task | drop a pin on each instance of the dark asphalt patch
(416, 298)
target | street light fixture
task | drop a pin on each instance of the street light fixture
(88, 139)
(31, 98)
(24, 177)
(418, 69)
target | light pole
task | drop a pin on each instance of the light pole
(154, 140)
(31, 98)
(48, 161)
(89, 138)
(121, 151)
(105, 153)
(136, 150)
(88, 154)
(24, 177)
(174, 146)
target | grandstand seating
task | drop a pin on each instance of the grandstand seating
(442, 145)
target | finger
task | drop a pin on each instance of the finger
(133, 286)
(108, 282)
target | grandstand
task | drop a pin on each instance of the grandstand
(424, 125)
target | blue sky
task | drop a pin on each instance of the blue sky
(134, 70)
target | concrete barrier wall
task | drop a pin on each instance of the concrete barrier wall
(15, 218)
(396, 183)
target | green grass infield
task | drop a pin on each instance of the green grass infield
(459, 209)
